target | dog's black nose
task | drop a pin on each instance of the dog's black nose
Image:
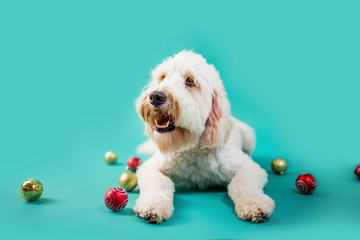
(157, 98)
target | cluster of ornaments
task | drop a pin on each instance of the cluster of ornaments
(305, 183)
(116, 198)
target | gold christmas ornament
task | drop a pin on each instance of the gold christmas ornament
(110, 157)
(128, 181)
(31, 189)
(279, 166)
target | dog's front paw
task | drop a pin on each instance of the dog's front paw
(154, 210)
(255, 210)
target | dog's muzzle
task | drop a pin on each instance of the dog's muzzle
(164, 121)
(165, 124)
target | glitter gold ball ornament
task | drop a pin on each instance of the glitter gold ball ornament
(306, 183)
(116, 199)
(133, 163)
(128, 181)
(31, 189)
(279, 166)
(110, 157)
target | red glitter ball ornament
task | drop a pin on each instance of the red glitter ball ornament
(133, 163)
(116, 199)
(357, 171)
(306, 183)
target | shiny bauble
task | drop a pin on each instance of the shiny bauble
(31, 189)
(306, 183)
(116, 198)
(110, 157)
(133, 163)
(357, 171)
(279, 166)
(128, 181)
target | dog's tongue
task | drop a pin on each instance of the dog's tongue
(162, 121)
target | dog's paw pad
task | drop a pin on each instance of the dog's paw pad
(255, 211)
(153, 212)
(257, 215)
(152, 218)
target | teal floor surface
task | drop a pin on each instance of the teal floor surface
(71, 70)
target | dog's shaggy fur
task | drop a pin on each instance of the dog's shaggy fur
(197, 142)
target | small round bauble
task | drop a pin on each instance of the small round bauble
(116, 199)
(133, 163)
(279, 166)
(306, 183)
(128, 181)
(357, 171)
(31, 189)
(110, 157)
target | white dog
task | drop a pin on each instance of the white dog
(187, 114)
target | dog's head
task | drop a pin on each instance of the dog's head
(185, 104)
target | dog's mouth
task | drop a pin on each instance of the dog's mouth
(165, 124)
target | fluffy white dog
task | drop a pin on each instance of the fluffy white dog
(187, 115)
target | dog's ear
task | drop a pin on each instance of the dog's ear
(212, 126)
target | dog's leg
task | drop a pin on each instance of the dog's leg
(248, 139)
(246, 190)
(155, 203)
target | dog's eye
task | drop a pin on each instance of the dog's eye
(161, 78)
(190, 81)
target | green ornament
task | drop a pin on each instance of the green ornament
(31, 189)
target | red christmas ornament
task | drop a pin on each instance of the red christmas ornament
(133, 163)
(116, 199)
(306, 183)
(357, 171)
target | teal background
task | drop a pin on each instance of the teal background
(71, 70)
